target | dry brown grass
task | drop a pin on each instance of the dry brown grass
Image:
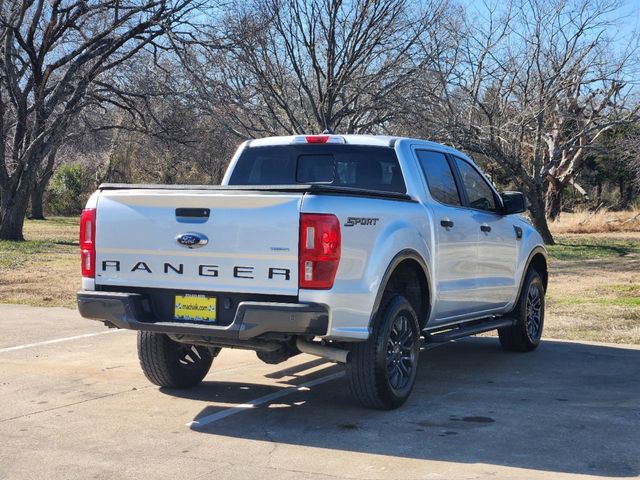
(44, 270)
(600, 221)
(594, 288)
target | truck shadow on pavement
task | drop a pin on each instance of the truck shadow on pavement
(567, 407)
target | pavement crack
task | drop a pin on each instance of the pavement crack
(274, 445)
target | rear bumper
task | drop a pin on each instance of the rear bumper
(252, 319)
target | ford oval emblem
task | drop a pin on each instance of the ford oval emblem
(192, 240)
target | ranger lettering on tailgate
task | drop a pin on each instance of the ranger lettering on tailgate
(203, 270)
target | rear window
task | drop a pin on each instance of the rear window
(354, 166)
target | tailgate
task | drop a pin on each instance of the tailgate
(248, 242)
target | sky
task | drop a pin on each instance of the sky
(626, 18)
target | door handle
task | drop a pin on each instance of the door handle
(485, 228)
(446, 223)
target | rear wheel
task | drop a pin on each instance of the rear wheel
(171, 364)
(382, 370)
(526, 333)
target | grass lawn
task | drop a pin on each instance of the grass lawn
(594, 287)
(44, 270)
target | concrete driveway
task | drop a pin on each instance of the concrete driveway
(74, 404)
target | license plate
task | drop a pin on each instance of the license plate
(195, 307)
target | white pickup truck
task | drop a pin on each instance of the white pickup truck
(358, 249)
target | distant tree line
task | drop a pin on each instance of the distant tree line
(541, 93)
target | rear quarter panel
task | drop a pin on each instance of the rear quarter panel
(367, 250)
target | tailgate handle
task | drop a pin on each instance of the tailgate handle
(192, 215)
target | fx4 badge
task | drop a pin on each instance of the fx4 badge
(353, 221)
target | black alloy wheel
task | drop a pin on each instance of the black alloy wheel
(534, 310)
(401, 354)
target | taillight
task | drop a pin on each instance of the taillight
(88, 242)
(319, 250)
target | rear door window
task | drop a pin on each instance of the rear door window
(440, 180)
(353, 166)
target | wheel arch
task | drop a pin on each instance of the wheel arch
(407, 265)
(537, 260)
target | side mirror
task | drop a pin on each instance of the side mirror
(514, 202)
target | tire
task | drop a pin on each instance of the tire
(382, 371)
(170, 364)
(526, 333)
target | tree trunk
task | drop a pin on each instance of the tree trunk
(37, 200)
(628, 198)
(553, 200)
(536, 207)
(40, 185)
(12, 212)
(624, 199)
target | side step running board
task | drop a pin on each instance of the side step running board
(465, 330)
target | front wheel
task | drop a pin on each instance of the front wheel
(382, 370)
(171, 364)
(526, 333)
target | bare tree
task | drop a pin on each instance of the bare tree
(627, 149)
(52, 54)
(293, 66)
(167, 138)
(533, 87)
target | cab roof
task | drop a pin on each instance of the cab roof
(371, 140)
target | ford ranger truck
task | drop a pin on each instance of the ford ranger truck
(357, 249)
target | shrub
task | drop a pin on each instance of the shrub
(65, 194)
